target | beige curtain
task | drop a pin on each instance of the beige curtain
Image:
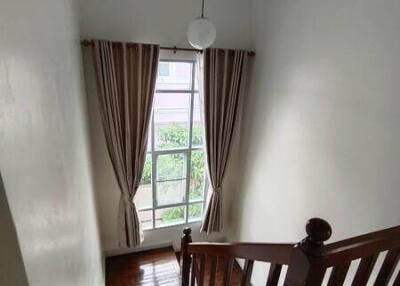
(223, 80)
(126, 76)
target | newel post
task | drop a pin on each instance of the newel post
(303, 269)
(185, 256)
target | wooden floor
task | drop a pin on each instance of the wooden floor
(154, 267)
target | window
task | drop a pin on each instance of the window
(173, 183)
(163, 69)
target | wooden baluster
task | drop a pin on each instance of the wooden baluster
(193, 270)
(213, 270)
(185, 256)
(228, 267)
(302, 270)
(388, 266)
(338, 275)
(202, 270)
(273, 275)
(248, 269)
(364, 270)
(397, 281)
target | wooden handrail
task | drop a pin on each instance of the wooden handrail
(353, 252)
(361, 246)
(355, 241)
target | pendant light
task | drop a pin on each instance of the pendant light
(201, 32)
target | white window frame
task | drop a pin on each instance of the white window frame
(187, 151)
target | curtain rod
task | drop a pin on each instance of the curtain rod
(87, 43)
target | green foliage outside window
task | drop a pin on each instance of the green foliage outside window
(197, 175)
(177, 136)
(177, 213)
(172, 215)
(146, 174)
(195, 210)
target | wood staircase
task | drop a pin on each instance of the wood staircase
(307, 261)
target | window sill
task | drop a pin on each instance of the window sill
(191, 222)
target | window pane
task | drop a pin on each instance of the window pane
(197, 133)
(171, 166)
(171, 192)
(170, 216)
(149, 139)
(171, 119)
(144, 197)
(146, 174)
(172, 115)
(163, 69)
(197, 176)
(196, 78)
(146, 218)
(174, 76)
(195, 211)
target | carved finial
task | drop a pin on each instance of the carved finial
(318, 231)
(187, 231)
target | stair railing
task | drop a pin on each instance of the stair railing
(307, 261)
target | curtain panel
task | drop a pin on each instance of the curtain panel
(223, 81)
(126, 75)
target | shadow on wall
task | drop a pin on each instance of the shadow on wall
(12, 270)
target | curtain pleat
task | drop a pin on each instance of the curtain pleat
(126, 76)
(223, 79)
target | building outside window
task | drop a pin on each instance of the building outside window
(173, 184)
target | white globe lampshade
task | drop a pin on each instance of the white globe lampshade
(201, 33)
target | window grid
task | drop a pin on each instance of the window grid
(186, 151)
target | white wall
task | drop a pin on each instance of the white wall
(165, 23)
(321, 130)
(44, 156)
